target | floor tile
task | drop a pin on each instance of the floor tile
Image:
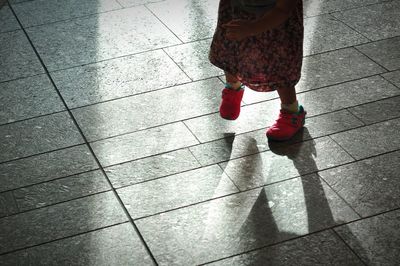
(241, 222)
(8, 21)
(385, 53)
(143, 143)
(324, 33)
(193, 59)
(322, 70)
(370, 140)
(149, 109)
(99, 37)
(346, 95)
(17, 58)
(317, 7)
(45, 167)
(46, 224)
(323, 248)
(393, 77)
(7, 204)
(176, 191)
(38, 135)
(376, 22)
(376, 240)
(370, 186)
(38, 12)
(189, 20)
(118, 78)
(109, 246)
(151, 168)
(284, 162)
(233, 147)
(60, 190)
(378, 111)
(27, 98)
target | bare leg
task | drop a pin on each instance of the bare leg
(232, 81)
(287, 95)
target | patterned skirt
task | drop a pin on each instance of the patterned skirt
(265, 62)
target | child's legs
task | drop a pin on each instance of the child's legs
(287, 95)
(232, 81)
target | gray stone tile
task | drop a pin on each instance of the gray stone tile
(317, 7)
(38, 135)
(393, 77)
(193, 59)
(176, 191)
(148, 110)
(99, 37)
(370, 186)
(33, 13)
(324, 33)
(346, 95)
(143, 143)
(284, 162)
(59, 221)
(376, 240)
(377, 22)
(331, 123)
(27, 98)
(370, 140)
(233, 147)
(242, 222)
(385, 52)
(378, 111)
(60, 190)
(7, 204)
(323, 248)
(322, 70)
(45, 167)
(110, 246)
(117, 78)
(17, 58)
(190, 20)
(151, 168)
(8, 21)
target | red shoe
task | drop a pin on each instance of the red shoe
(287, 125)
(230, 105)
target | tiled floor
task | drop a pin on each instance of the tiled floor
(113, 151)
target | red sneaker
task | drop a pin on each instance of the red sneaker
(287, 125)
(230, 105)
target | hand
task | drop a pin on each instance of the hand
(238, 29)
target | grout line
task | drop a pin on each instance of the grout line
(183, 71)
(162, 22)
(348, 246)
(388, 80)
(34, 209)
(89, 147)
(373, 60)
(62, 238)
(233, 182)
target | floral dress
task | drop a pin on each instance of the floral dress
(265, 62)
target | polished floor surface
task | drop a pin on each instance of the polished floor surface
(113, 151)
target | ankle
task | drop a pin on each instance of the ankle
(291, 107)
(234, 85)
